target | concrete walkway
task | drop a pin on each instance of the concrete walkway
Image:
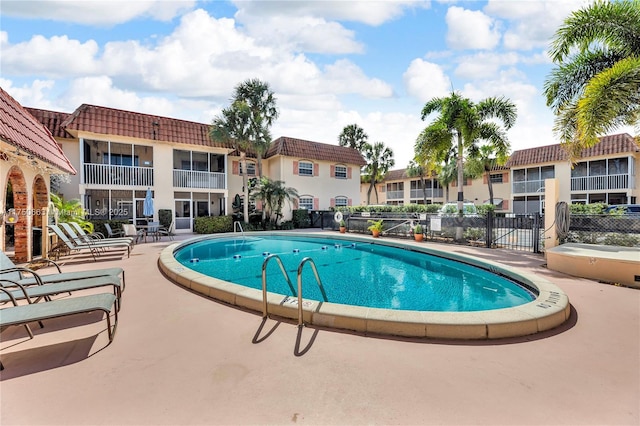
(181, 359)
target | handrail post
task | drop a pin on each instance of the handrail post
(264, 281)
(315, 271)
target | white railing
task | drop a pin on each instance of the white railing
(529, 186)
(590, 183)
(193, 179)
(105, 174)
(430, 193)
(395, 195)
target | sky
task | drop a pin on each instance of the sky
(329, 63)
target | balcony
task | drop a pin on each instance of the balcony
(202, 180)
(595, 183)
(529, 186)
(105, 174)
(395, 195)
(431, 193)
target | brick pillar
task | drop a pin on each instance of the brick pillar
(21, 234)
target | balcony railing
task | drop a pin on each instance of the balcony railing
(105, 174)
(395, 195)
(430, 192)
(204, 180)
(529, 186)
(594, 183)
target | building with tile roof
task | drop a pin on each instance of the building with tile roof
(29, 155)
(119, 154)
(606, 172)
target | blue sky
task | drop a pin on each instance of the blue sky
(330, 63)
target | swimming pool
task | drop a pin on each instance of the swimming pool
(385, 277)
(470, 306)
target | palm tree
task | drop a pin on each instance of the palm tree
(461, 125)
(67, 211)
(273, 194)
(353, 136)
(482, 164)
(379, 160)
(281, 194)
(595, 86)
(262, 104)
(233, 125)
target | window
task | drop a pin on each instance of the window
(305, 169)
(341, 172)
(306, 203)
(496, 178)
(251, 168)
(341, 201)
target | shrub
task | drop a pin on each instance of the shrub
(165, 216)
(212, 224)
(624, 240)
(301, 218)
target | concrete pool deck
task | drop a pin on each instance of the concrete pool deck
(180, 358)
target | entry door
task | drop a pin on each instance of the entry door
(183, 214)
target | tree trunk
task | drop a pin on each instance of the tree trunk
(459, 229)
(245, 187)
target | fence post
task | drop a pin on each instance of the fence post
(536, 233)
(489, 229)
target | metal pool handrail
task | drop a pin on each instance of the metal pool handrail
(237, 224)
(264, 281)
(315, 272)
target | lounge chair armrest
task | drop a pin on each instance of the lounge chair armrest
(21, 270)
(12, 298)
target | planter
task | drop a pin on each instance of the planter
(418, 237)
(343, 229)
(375, 233)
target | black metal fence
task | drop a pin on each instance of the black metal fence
(515, 232)
(612, 230)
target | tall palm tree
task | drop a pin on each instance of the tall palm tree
(353, 136)
(234, 126)
(462, 125)
(379, 160)
(262, 103)
(595, 86)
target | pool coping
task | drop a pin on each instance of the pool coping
(550, 309)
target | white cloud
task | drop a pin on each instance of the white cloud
(531, 23)
(33, 95)
(368, 12)
(105, 13)
(468, 29)
(56, 56)
(484, 64)
(425, 80)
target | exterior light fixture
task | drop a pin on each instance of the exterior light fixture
(11, 217)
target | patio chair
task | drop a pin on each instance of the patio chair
(105, 243)
(111, 233)
(73, 228)
(92, 247)
(166, 231)
(131, 232)
(32, 312)
(26, 277)
(15, 291)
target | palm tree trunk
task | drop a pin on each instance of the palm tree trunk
(459, 229)
(245, 187)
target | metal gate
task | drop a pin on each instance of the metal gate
(518, 232)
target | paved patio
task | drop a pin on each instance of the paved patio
(179, 358)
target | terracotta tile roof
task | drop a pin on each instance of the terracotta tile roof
(109, 121)
(291, 147)
(399, 174)
(52, 120)
(24, 131)
(613, 144)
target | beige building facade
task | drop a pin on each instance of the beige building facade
(607, 173)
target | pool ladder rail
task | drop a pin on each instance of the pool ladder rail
(237, 225)
(304, 261)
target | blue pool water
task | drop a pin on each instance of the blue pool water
(356, 273)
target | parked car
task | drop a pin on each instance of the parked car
(625, 209)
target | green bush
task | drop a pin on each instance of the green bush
(165, 216)
(213, 224)
(594, 208)
(624, 240)
(301, 218)
(474, 234)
